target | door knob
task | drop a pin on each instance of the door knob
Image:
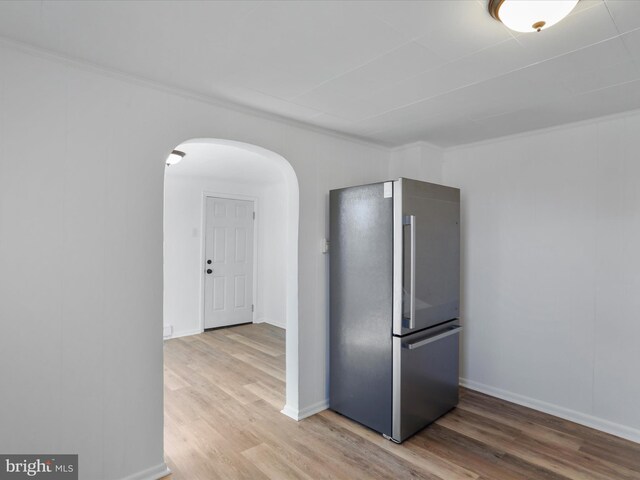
(209, 271)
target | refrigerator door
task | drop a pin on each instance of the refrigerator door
(425, 383)
(361, 303)
(427, 266)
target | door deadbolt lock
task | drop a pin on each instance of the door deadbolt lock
(208, 262)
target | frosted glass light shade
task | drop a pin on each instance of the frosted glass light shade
(530, 15)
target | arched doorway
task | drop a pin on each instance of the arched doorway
(216, 168)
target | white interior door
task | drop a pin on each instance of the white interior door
(228, 262)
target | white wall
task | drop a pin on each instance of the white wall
(551, 228)
(272, 256)
(420, 161)
(550, 266)
(183, 210)
(81, 192)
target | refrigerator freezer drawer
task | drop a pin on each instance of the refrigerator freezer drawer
(425, 384)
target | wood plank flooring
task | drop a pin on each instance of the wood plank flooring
(224, 390)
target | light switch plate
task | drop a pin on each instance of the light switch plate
(325, 245)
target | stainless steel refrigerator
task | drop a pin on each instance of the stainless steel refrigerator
(394, 304)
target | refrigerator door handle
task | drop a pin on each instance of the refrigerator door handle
(411, 221)
(435, 338)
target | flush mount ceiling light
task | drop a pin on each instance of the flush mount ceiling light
(174, 157)
(530, 15)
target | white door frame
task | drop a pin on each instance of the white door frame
(233, 196)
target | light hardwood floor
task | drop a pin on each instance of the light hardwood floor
(224, 390)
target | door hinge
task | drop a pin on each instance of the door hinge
(254, 215)
(252, 307)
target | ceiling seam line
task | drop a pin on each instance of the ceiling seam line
(493, 78)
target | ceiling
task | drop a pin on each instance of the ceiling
(226, 163)
(392, 72)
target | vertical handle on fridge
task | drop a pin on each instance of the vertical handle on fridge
(410, 220)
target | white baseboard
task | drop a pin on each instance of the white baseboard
(186, 333)
(152, 473)
(598, 423)
(290, 412)
(307, 411)
(281, 325)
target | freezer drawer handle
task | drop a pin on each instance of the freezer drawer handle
(411, 221)
(426, 341)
